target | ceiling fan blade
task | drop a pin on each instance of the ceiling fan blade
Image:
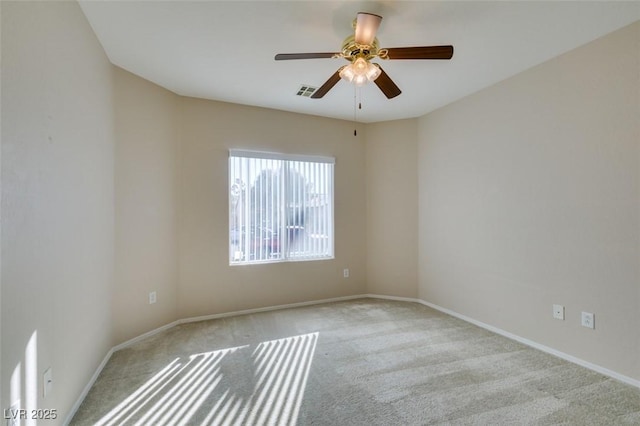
(366, 27)
(387, 85)
(328, 85)
(286, 56)
(422, 52)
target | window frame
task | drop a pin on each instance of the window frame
(282, 230)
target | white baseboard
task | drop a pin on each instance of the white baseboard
(535, 345)
(269, 308)
(88, 387)
(396, 298)
(229, 314)
(144, 336)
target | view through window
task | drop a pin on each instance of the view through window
(280, 207)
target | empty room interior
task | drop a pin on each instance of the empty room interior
(210, 214)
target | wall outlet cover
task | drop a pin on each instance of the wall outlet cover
(588, 320)
(558, 312)
(47, 382)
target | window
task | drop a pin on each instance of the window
(280, 207)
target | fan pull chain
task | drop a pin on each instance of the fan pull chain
(355, 114)
(357, 100)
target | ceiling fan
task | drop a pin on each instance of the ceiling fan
(359, 49)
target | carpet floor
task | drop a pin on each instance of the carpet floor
(360, 362)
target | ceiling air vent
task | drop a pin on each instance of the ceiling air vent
(306, 90)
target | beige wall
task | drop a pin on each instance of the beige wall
(529, 196)
(171, 168)
(392, 208)
(57, 201)
(147, 157)
(526, 194)
(208, 284)
(1, 380)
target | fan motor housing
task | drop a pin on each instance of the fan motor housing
(352, 50)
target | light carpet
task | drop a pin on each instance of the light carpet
(361, 362)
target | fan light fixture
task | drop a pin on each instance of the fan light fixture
(362, 47)
(359, 72)
(366, 26)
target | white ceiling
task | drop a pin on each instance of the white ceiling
(224, 50)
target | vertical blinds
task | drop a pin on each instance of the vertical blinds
(281, 207)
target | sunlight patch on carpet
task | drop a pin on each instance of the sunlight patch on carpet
(178, 393)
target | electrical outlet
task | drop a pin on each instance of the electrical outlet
(558, 312)
(152, 298)
(345, 273)
(588, 320)
(47, 382)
